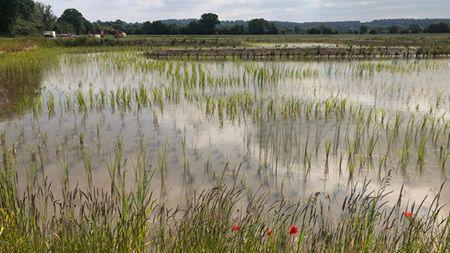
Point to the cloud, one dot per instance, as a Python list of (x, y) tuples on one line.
[(284, 10)]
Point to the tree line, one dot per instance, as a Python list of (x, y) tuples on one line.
[(412, 29), (27, 17)]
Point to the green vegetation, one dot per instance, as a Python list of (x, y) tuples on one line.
[(438, 28), (120, 221), (25, 17), (261, 26), (72, 21)]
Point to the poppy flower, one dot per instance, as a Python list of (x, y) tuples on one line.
[(293, 230), (235, 228), (407, 214), (269, 231)]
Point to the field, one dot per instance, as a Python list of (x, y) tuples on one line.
[(107, 149)]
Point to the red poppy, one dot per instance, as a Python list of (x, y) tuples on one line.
[(293, 230), (407, 214), (269, 231), (235, 228)]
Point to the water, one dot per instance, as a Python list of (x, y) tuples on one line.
[(191, 148)]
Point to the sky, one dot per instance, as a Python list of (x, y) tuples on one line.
[(280, 10)]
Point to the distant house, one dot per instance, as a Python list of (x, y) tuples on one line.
[(49, 34)]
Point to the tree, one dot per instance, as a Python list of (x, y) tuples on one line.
[(208, 23), (363, 29), (48, 18), (298, 30), (393, 29), (133, 28), (404, 31), (26, 9), (193, 27), (9, 10), (147, 27), (271, 28), (24, 27), (74, 18), (261, 26), (326, 30), (238, 29), (156, 27), (25, 22), (119, 25), (314, 30), (438, 28), (31, 18), (257, 26), (415, 29), (64, 27)]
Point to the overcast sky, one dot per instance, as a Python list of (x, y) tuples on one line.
[(282, 10)]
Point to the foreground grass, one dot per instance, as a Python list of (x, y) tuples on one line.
[(222, 219)]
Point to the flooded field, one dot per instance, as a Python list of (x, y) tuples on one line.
[(287, 129), (292, 127)]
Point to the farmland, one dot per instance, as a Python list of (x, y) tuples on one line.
[(106, 146)]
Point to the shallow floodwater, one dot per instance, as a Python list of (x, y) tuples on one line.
[(289, 128)]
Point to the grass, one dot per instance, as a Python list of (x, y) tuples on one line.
[(131, 221), (431, 43), (9, 45)]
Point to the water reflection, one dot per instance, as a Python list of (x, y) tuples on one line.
[(287, 157), (18, 92)]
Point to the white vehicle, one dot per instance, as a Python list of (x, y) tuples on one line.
[(49, 34), (120, 34)]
